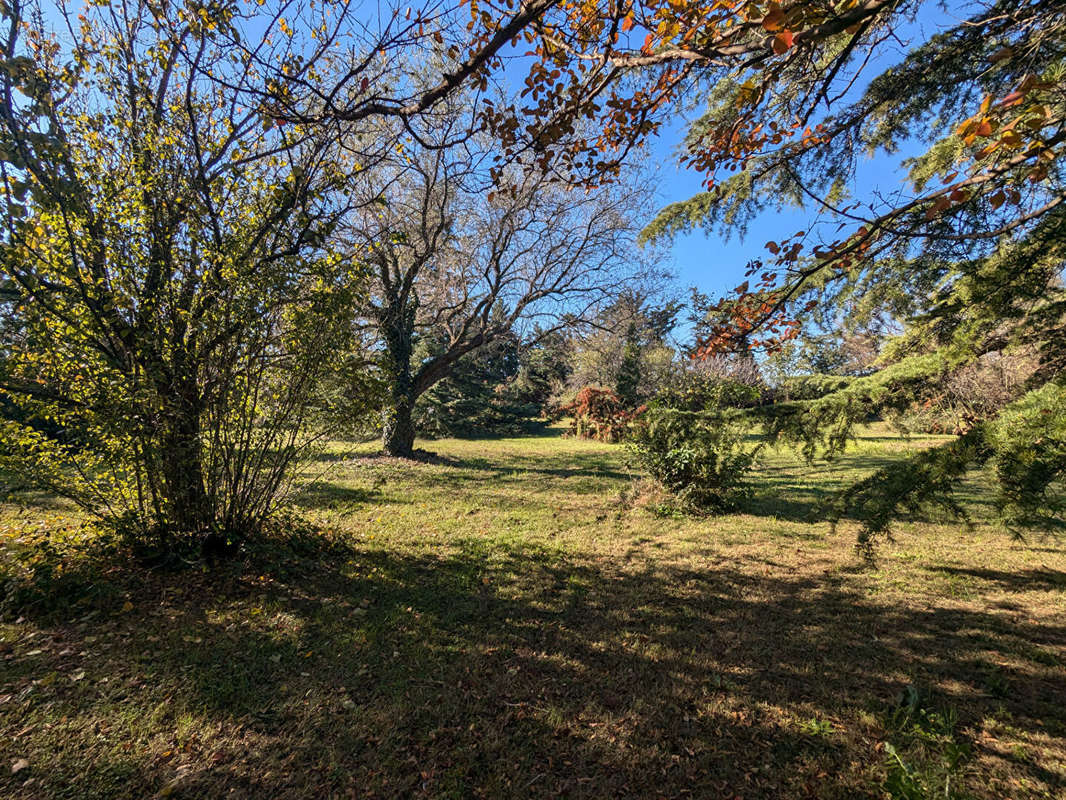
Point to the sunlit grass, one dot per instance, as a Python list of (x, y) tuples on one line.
[(495, 622)]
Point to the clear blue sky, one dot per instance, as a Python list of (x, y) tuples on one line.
[(716, 263)]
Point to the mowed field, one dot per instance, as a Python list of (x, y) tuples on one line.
[(502, 621)]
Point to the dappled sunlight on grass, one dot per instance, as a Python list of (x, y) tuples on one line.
[(495, 623)]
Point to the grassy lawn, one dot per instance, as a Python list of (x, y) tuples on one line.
[(497, 623)]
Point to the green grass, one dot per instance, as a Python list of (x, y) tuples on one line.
[(495, 623)]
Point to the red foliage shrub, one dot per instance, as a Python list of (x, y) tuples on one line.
[(599, 414)]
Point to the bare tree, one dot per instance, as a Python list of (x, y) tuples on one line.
[(737, 367), (640, 322), (467, 251)]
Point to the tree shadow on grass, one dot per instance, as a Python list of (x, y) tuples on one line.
[(794, 504), (573, 466), (322, 494), (1019, 581), (528, 429), (510, 672), (800, 492), (600, 470)]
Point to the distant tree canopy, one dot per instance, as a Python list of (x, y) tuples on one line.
[(626, 349), (545, 365), (461, 253)]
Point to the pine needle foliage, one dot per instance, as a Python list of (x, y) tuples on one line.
[(965, 256)]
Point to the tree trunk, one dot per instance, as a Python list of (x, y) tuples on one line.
[(398, 430), (188, 507)]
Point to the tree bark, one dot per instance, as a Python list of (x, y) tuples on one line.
[(187, 505), (398, 431)]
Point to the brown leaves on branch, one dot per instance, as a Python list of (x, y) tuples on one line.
[(579, 61), (603, 75), (599, 414)]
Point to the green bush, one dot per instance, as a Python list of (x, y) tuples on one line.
[(695, 392), (700, 457), (1028, 441)]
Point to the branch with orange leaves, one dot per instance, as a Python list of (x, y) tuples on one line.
[(767, 308), (722, 33)]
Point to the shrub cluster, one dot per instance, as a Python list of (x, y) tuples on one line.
[(694, 442), (699, 457), (599, 414)]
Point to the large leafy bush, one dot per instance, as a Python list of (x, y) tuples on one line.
[(701, 457), (170, 307)]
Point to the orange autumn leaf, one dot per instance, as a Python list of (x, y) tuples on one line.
[(782, 42)]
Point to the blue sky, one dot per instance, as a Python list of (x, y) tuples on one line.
[(711, 262), (715, 264)]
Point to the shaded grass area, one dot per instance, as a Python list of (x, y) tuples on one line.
[(495, 624)]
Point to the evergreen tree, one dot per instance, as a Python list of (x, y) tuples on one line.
[(545, 366), (627, 384), (968, 253), (477, 398)]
